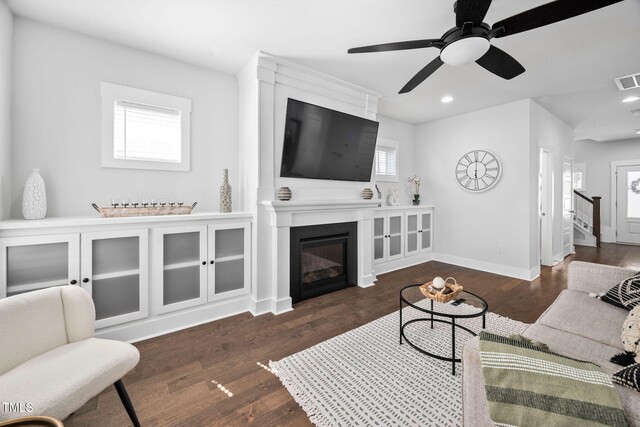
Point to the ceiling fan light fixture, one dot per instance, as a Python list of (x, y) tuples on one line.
[(464, 51)]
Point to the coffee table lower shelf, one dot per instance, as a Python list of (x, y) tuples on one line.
[(446, 318)]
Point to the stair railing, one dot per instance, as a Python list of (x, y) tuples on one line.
[(587, 213)]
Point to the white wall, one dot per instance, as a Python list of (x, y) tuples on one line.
[(469, 227), (598, 157), (56, 122), (6, 32), (404, 133), (549, 132)]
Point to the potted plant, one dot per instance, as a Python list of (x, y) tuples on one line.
[(416, 181)]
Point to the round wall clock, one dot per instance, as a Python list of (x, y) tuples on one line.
[(478, 170)]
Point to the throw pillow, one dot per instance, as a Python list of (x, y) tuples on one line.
[(630, 339), (628, 377), (530, 386), (625, 294)]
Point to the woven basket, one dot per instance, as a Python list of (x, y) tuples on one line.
[(438, 295)]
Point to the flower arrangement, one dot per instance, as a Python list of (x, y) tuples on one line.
[(416, 181)]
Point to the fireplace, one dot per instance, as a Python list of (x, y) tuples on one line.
[(323, 259)]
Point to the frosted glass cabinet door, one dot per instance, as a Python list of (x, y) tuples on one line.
[(395, 236), (114, 270), (378, 239), (412, 233), (229, 260), (181, 263), (38, 262), (425, 231)]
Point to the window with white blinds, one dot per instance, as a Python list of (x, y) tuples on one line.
[(146, 133), (386, 160), (144, 130)]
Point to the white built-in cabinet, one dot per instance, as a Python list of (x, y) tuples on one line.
[(111, 265), (402, 236), (137, 270), (418, 234), (388, 236), (200, 264)]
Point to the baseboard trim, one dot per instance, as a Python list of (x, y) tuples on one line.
[(281, 306), (258, 308), (503, 270), (399, 264), (162, 324)]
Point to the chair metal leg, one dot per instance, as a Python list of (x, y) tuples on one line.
[(126, 402)]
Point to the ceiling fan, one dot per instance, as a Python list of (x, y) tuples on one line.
[(470, 39)]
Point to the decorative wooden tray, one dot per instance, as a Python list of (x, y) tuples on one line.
[(439, 295), (143, 210)]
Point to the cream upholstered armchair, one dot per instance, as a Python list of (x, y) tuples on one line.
[(50, 362)]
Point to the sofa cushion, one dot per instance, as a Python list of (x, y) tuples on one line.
[(583, 348), (625, 294), (30, 324), (579, 314), (60, 381)]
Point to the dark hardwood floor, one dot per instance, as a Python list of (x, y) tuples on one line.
[(176, 381)]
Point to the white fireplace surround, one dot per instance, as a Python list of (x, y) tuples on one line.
[(285, 215), (265, 85)]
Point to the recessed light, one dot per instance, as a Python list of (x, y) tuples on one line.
[(631, 99), (638, 131), (446, 99)]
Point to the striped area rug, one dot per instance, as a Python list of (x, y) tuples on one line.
[(364, 377)]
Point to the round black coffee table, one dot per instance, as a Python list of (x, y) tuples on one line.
[(474, 306)]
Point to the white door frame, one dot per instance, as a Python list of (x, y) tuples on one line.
[(546, 192), (572, 248), (614, 192)]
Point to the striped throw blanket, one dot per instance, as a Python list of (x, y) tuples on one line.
[(531, 386)]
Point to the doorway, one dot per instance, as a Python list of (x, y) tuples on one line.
[(628, 204), (546, 207), (567, 206)]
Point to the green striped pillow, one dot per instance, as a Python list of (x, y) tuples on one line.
[(530, 386)]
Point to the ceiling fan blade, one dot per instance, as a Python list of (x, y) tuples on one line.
[(422, 75), (411, 44), (471, 11), (549, 13), (500, 63)]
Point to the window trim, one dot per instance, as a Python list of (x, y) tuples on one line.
[(110, 93), (388, 143)]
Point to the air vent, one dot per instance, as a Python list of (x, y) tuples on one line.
[(628, 82), (636, 112)]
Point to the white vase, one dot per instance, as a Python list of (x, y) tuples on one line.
[(34, 198), (225, 193)]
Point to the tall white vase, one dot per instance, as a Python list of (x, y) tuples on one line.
[(34, 198), (225, 193)]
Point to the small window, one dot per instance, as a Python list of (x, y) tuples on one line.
[(144, 130), (386, 160), (580, 176)]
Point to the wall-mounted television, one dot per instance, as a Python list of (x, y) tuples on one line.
[(320, 143)]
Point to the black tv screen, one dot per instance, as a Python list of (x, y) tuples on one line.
[(320, 143)]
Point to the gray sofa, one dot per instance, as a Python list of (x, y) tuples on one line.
[(575, 325)]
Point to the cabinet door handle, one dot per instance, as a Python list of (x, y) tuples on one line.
[(85, 280), (204, 262), (74, 281), (212, 261)]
